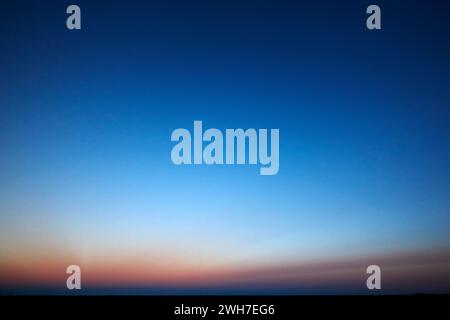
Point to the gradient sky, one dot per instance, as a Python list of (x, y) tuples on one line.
[(86, 117)]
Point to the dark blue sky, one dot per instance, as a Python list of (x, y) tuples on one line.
[(86, 118)]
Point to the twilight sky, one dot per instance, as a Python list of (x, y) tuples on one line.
[(85, 170)]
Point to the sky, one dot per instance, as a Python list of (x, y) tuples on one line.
[(86, 176)]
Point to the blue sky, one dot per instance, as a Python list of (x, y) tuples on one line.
[(86, 118)]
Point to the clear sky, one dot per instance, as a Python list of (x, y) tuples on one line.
[(85, 122)]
